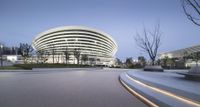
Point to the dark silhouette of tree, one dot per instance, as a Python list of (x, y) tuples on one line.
[(1, 53), (84, 58), (142, 61), (195, 57), (53, 51), (25, 51), (98, 61), (158, 62), (149, 42), (192, 10), (42, 56), (77, 54), (185, 57), (173, 62), (118, 61), (165, 61), (129, 62), (92, 61), (39, 53), (58, 58), (67, 55)]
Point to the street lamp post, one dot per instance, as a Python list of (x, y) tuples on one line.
[(1, 49)]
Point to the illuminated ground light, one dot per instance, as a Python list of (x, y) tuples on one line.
[(145, 100), (185, 100)]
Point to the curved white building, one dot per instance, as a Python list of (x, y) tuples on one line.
[(97, 45)]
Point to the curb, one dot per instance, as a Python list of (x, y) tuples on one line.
[(137, 95), (155, 95)]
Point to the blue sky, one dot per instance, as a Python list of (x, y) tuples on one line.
[(22, 20)]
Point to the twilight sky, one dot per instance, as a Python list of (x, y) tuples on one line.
[(22, 20)]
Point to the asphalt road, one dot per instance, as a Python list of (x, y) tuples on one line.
[(65, 88)]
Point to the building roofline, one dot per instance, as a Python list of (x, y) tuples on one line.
[(75, 27)]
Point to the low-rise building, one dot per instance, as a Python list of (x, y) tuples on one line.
[(181, 53)]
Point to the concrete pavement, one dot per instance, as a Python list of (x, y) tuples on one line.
[(65, 88), (163, 88)]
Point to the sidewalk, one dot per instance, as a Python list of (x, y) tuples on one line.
[(165, 81)]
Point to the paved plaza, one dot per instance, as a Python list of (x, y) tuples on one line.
[(65, 88)]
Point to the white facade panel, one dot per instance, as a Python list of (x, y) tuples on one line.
[(96, 44)]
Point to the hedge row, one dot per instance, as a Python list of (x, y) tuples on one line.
[(30, 66)]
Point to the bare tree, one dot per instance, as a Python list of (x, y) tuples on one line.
[(77, 54), (25, 51), (192, 10), (67, 55), (42, 56), (149, 42), (84, 58)]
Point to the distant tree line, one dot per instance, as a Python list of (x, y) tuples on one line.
[(165, 62), (41, 56), (172, 63), (130, 63)]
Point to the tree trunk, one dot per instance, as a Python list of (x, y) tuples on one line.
[(77, 61), (66, 59), (153, 62), (196, 62)]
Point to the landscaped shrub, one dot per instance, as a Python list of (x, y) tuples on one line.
[(30, 66)]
